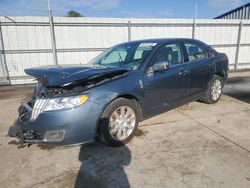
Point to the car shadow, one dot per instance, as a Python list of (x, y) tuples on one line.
[(238, 88), (103, 166)]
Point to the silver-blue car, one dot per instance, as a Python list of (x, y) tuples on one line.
[(109, 96)]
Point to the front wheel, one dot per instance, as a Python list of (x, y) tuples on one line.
[(119, 122), (214, 90)]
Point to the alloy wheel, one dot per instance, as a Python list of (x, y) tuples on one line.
[(122, 123), (216, 90)]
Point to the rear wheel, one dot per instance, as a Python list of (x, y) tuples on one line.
[(119, 122), (214, 90)]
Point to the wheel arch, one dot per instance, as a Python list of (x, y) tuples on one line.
[(126, 96), (136, 100), (222, 75)]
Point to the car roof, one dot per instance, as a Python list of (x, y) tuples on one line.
[(163, 40)]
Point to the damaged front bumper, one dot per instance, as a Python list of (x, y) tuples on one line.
[(25, 136), (60, 127)]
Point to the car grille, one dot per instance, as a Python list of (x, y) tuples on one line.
[(38, 107)]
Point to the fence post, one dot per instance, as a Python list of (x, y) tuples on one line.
[(52, 34), (3, 58), (129, 30), (238, 46), (194, 28)]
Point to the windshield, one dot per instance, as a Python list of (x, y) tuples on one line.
[(129, 55)]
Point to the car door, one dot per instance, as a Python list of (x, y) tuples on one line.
[(163, 88), (201, 67)]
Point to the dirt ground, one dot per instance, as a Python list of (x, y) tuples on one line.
[(196, 145)]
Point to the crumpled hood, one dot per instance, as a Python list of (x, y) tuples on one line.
[(65, 75)]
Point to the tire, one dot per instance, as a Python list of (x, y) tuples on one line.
[(214, 90), (118, 122)]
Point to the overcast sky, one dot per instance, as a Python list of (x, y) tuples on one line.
[(122, 8)]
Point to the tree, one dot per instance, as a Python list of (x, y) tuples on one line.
[(73, 13)]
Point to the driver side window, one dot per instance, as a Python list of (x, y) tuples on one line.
[(171, 53)]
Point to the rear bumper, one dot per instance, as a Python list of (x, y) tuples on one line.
[(78, 125)]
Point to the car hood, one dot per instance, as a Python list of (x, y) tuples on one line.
[(69, 76)]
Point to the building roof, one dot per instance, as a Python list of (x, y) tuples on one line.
[(231, 11)]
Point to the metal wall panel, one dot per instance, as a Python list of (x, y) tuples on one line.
[(89, 36), (16, 63), (160, 32), (244, 54), (245, 37), (78, 40), (26, 37), (217, 34), (76, 57)]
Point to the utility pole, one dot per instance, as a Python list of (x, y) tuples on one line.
[(194, 20), (196, 11), (3, 62), (52, 34)]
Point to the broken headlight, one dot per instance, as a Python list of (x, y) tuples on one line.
[(65, 102)]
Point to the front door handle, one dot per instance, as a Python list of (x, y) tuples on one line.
[(183, 72)]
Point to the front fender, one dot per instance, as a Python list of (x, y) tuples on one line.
[(110, 97)]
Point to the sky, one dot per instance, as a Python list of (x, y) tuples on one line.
[(121, 8)]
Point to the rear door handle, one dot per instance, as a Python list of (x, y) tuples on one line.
[(211, 65)]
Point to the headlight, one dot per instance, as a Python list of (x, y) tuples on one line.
[(65, 102)]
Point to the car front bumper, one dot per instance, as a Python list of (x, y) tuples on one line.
[(74, 126)]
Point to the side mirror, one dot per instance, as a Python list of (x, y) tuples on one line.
[(159, 66)]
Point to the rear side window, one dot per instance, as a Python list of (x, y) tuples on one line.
[(195, 51)]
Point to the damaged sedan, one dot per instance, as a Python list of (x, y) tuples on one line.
[(107, 98)]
